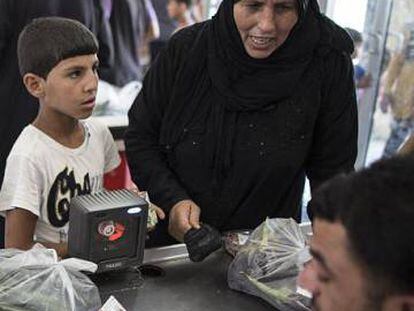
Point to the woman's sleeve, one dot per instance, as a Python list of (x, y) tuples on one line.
[(334, 146), (146, 159)]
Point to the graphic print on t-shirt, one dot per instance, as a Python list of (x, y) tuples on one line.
[(63, 189)]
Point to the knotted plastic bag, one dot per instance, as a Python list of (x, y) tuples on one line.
[(268, 264), (36, 280)]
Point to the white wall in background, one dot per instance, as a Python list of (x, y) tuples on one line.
[(347, 13)]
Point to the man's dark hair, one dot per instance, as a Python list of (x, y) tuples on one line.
[(376, 207), (188, 3), (46, 41), (355, 35)]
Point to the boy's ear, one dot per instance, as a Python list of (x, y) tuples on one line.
[(34, 84)]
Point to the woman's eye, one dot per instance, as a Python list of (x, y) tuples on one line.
[(283, 9), (253, 6)]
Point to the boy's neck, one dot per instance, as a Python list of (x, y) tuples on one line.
[(65, 130)]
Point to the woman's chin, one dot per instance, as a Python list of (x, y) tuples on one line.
[(259, 52)]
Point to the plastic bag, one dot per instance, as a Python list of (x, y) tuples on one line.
[(35, 280), (115, 101), (268, 264)]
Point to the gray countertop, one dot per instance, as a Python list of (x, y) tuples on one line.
[(184, 286)]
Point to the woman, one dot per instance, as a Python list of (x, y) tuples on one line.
[(238, 109)]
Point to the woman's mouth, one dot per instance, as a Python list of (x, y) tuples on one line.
[(261, 42)]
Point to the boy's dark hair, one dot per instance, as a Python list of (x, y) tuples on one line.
[(355, 35), (376, 207), (46, 41)]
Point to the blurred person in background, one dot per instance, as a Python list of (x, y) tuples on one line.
[(398, 93), (179, 11), (133, 24), (362, 78)]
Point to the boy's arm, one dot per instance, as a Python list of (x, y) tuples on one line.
[(20, 227)]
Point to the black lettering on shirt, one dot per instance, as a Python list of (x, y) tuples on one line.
[(63, 189)]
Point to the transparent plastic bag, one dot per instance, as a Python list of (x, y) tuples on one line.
[(35, 280), (268, 264)]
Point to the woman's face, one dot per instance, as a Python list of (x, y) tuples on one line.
[(264, 24)]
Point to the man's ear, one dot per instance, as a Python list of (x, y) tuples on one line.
[(34, 84), (400, 302)]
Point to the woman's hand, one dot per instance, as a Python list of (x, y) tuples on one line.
[(183, 216)]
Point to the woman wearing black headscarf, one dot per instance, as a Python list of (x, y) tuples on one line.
[(236, 110)]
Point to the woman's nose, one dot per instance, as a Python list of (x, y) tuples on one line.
[(267, 22)]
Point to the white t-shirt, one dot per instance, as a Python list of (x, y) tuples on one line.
[(42, 175)]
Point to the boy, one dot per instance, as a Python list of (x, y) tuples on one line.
[(179, 11), (59, 155)]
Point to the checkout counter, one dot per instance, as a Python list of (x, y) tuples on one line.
[(182, 285)]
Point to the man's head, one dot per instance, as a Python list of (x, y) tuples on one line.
[(178, 8), (58, 61), (363, 244)]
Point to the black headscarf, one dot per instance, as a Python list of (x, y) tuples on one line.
[(220, 75)]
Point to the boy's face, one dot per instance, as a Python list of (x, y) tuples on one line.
[(175, 9), (70, 87)]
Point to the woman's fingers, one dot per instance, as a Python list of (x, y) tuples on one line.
[(179, 222), (194, 218)]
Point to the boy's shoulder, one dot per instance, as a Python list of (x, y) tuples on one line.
[(34, 144), (95, 125), (98, 130), (29, 143)]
